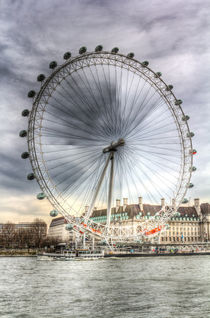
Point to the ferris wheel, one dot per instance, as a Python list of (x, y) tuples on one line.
[(103, 127)]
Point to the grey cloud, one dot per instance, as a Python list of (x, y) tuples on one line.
[(173, 37)]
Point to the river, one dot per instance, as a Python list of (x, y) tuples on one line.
[(159, 287)]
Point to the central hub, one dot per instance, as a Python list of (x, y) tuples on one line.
[(114, 145)]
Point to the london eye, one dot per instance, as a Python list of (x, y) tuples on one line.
[(104, 126)]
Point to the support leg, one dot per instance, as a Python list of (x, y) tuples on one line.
[(90, 209), (111, 179)]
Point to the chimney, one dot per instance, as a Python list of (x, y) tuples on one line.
[(125, 203), (197, 206), (163, 204), (140, 204), (117, 204), (174, 204)]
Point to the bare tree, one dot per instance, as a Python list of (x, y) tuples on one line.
[(39, 229), (8, 234), (24, 238)]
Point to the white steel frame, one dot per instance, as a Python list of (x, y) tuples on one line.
[(35, 144)]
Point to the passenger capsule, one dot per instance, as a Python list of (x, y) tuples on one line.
[(191, 185), (41, 196), (158, 74), (178, 102), (130, 55), (193, 169), (31, 176), (25, 113), (191, 134), (69, 227), (25, 155), (145, 63), (185, 200), (98, 48), (185, 118), (31, 94), (23, 133), (67, 55), (82, 50), (115, 50), (169, 87), (53, 213), (53, 65), (40, 77), (193, 152)]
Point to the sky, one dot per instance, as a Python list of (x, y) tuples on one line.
[(173, 36)]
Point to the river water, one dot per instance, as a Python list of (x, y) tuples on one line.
[(160, 287)]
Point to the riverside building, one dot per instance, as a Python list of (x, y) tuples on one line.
[(191, 224), (57, 230)]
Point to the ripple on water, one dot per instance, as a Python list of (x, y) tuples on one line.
[(137, 287)]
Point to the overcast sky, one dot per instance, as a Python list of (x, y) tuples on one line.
[(173, 35)]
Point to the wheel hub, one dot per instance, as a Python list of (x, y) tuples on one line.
[(114, 145)]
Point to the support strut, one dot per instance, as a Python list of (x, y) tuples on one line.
[(111, 149), (111, 180), (90, 209)]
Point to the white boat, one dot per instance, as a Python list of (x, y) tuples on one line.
[(77, 255)]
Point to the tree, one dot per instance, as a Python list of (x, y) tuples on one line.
[(39, 230), (24, 238), (8, 234)]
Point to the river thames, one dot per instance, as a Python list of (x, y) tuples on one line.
[(160, 287)]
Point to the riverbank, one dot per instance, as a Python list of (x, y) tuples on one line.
[(18, 253), (107, 254), (155, 254), (35, 252)]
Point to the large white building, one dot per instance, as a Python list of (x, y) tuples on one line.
[(191, 224), (57, 229)]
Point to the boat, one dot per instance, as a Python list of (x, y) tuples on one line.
[(78, 254)]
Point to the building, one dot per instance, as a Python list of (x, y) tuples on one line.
[(57, 230), (191, 224)]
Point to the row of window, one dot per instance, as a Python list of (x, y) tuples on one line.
[(185, 232), (188, 223), (179, 239)]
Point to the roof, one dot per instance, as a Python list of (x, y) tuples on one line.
[(133, 209), (58, 221), (189, 210)]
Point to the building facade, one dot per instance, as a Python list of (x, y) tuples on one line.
[(191, 224), (57, 230)]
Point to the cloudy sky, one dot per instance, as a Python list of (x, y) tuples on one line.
[(173, 35)]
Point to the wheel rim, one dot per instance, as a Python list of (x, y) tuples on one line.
[(124, 81)]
